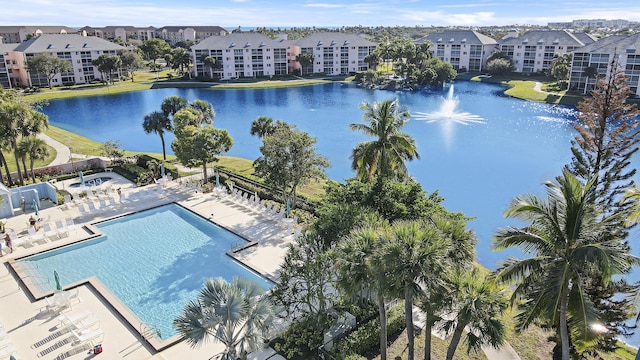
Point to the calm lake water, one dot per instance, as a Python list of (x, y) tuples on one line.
[(477, 166)]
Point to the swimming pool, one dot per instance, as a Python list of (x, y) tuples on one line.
[(155, 261), (92, 182)]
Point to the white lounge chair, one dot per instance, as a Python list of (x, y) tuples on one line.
[(83, 211), (7, 352), (85, 337), (67, 201), (70, 224), (17, 240), (49, 232), (105, 206), (35, 236), (61, 229), (76, 317), (92, 207)]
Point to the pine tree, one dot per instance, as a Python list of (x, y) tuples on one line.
[(608, 129)]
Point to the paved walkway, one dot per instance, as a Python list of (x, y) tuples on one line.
[(63, 153)]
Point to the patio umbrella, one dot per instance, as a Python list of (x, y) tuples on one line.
[(162, 169), (288, 210), (56, 277), (217, 179), (35, 206), (81, 178)]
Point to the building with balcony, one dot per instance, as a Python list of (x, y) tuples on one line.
[(595, 60), (239, 55), (334, 53), (80, 51), (18, 34), (120, 32), (176, 34), (6, 65), (463, 49), (533, 51)]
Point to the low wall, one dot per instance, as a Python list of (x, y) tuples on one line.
[(71, 167)]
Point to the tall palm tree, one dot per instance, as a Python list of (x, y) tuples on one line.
[(37, 150), (235, 314), (414, 256), (386, 155), (567, 233), (360, 268), (205, 112), (172, 104), (476, 301), (157, 122), (262, 126)]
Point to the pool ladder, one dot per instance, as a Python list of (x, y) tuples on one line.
[(149, 331)]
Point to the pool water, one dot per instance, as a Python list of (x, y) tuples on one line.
[(93, 182), (155, 261)]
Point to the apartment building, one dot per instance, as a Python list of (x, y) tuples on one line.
[(464, 49), (334, 53), (18, 34), (594, 61), (5, 65), (120, 32), (533, 51), (80, 51), (175, 34), (240, 55)]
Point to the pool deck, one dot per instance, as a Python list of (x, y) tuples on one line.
[(35, 332)]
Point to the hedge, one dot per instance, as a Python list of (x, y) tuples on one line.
[(366, 337)]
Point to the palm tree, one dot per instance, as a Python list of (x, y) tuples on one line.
[(360, 267), (567, 233), (210, 62), (459, 254), (305, 59), (37, 150), (204, 111), (476, 302), (589, 72), (157, 122), (414, 257), (171, 105), (235, 314), (18, 120), (262, 126), (385, 156)]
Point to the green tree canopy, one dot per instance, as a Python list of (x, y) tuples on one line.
[(289, 160), (386, 155), (154, 48), (131, 61), (107, 64), (48, 65), (196, 145)]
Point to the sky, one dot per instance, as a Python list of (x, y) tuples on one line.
[(320, 13)]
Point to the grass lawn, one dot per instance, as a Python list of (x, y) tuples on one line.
[(12, 162), (522, 87), (398, 349)]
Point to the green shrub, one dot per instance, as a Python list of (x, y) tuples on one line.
[(366, 337), (130, 171), (302, 339)]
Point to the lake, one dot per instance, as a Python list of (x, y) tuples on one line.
[(477, 166)]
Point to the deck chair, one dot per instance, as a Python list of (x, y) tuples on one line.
[(49, 232), (35, 236), (61, 228), (86, 337), (70, 224)]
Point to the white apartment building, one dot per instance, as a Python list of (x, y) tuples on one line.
[(533, 51), (240, 55), (80, 51), (599, 56), (18, 34), (120, 32), (334, 53), (463, 49), (175, 34), (5, 65)]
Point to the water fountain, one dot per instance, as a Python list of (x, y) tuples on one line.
[(447, 116), (447, 112)]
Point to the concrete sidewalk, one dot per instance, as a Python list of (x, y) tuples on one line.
[(63, 153)]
